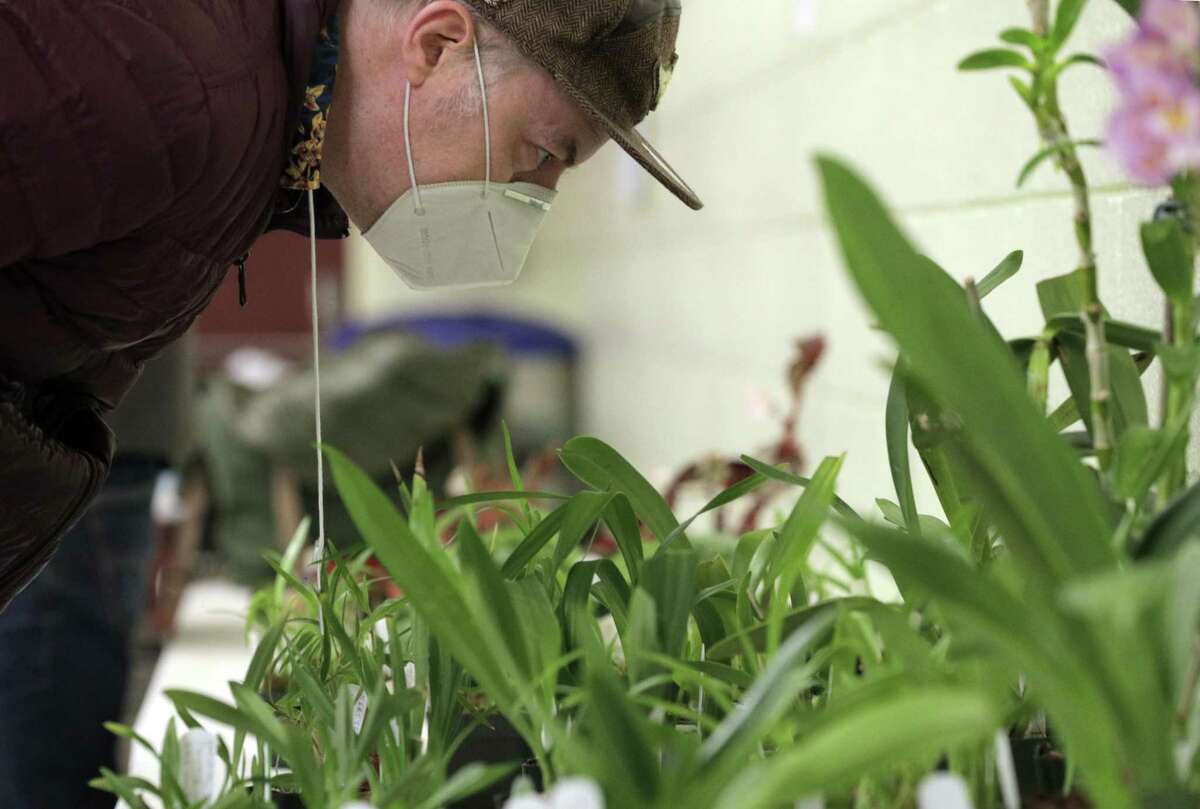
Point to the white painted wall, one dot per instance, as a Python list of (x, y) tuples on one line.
[(684, 314)]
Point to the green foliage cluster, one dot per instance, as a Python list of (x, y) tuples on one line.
[(1057, 595)]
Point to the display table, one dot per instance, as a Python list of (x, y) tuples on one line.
[(208, 651)]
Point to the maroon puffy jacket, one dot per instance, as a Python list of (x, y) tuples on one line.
[(142, 144)]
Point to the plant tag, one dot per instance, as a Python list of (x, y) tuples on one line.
[(360, 711), (1006, 770), (198, 766), (357, 805), (817, 802), (357, 697)]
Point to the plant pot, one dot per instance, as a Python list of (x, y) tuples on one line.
[(494, 744), (286, 800), (1042, 775)]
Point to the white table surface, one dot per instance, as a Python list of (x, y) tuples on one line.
[(208, 651)]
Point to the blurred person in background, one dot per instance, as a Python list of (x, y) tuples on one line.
[(66, 641), (145, 146)]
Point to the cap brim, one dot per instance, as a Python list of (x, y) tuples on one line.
[(639, 149)]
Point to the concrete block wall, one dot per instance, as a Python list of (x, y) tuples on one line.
[(686, 317)]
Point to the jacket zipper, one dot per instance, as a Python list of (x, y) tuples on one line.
[(241, 267)]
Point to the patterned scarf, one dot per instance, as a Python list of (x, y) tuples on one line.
[(304, 160)]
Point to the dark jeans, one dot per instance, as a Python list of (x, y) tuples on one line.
[(65, 650)]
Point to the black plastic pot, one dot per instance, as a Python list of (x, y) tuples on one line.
[(1041, 769), (287, 800), (495, 744)]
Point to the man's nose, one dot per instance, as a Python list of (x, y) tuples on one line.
[(546, 176)]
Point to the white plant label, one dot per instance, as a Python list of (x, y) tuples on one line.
[(360, 712), (357, 698), (1006, 769), (198, 766)]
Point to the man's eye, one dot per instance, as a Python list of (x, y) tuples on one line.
[(544, 157)]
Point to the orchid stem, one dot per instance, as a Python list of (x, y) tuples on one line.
[(1052, 126)]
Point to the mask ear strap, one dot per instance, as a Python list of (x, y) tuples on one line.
[(412, 170), (487, 124)]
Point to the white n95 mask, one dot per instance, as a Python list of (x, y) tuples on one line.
[(459, 235)]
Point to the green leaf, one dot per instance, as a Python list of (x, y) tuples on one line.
[(534, 541), (1047, 506), (470, 780), (123, 788), (203, 705), (263, 656), (487, 498), (1173, 528), (1050, 151), (1134, 473), (730, 495), (623, 523), (1116, 332), (1180, 363), (1170, 256), (896, 422), (1065, 21), (1132, 7), (799, 532), (765, 703), (993, 58), (669, 577), (1062, 295), (1128, 397), (260, 715), (431, 588), (765, 469), (1005, 270), (1078, 59), (318, 702), (880, 730), (492, 603), (754, 637), (615, 745), (583, 512), (1023, 36), (1024, 90), (1060, 661), (601, 467)]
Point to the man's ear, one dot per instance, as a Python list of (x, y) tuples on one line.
[(434, 35)]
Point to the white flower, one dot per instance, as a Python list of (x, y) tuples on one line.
[(569, 793), (576, 793), (943, 791)]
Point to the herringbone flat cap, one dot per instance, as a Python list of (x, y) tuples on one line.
[(614, 57)]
